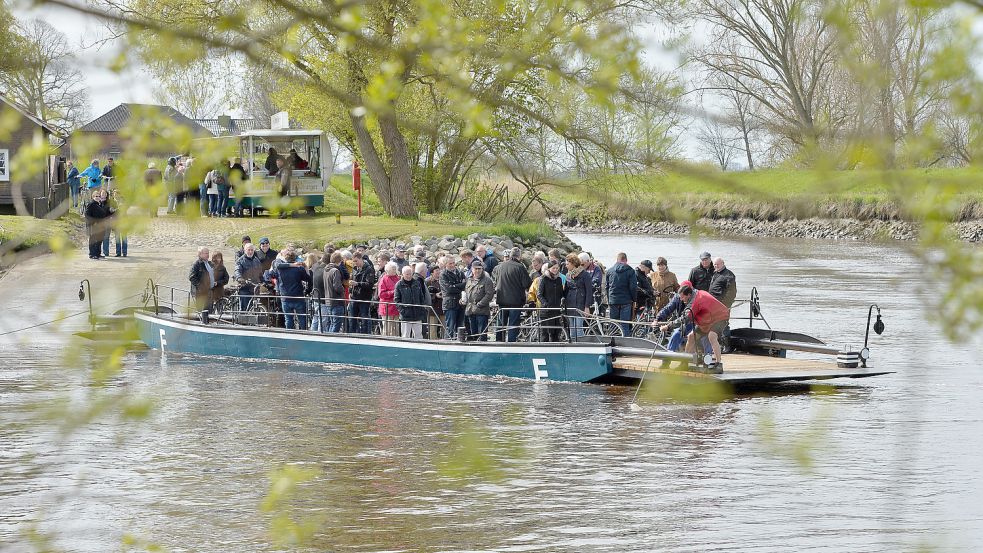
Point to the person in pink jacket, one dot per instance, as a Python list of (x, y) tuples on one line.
[(387, 292)]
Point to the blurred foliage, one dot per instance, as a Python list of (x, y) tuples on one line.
[(800, 448), (473, 451), (285, 530), (665, 386), (422, 90)]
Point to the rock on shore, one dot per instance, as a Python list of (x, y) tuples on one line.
[(436, 247), (829, 229)]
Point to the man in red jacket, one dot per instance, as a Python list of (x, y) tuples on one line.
[(710, 317)]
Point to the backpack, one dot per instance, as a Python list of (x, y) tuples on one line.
[(218, 178)]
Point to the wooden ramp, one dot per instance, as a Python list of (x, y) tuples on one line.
[(743, 368)]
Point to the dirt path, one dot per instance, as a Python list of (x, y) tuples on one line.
[(46, 287)]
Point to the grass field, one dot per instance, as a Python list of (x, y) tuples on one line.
[(774, 194), (340, 198)]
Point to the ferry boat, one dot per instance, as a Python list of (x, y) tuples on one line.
[(757, 355)]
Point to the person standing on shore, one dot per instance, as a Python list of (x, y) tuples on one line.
[(108, 173), (621, 289), (97, 215), (116, 209), (282, 182), (152, 179), (181, 192), (664, 283), (214, 181), (702, 274), (478, 294), (237, 184), (74, 182), (202, 279), (94, 174), (170, 178)]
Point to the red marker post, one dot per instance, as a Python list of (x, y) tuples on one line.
[(357, 184)]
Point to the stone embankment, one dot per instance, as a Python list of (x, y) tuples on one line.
[(436, 247), (828, 229)]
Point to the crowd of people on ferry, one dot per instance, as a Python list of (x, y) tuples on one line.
[(404, 294)]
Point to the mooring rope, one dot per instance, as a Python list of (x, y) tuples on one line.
[(67, 316)]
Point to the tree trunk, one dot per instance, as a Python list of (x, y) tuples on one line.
[(373, 164), (402, 201)]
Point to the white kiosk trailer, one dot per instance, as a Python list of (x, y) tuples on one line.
[(310, 177)]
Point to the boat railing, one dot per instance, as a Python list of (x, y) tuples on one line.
[(362, 316), (167, 300), (754, 310)]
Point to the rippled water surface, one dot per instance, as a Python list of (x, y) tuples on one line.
[(885, 464)]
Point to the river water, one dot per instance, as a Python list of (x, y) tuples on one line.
[(885, 464)]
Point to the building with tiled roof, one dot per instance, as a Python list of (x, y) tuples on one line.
[(227, 126), (106, 127)]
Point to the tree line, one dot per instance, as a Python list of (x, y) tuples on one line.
[(480, 104), (874, 83)]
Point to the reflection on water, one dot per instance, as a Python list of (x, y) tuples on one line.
[(896, 466)]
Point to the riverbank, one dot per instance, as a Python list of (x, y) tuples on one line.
[(852, 205), (814, 228)]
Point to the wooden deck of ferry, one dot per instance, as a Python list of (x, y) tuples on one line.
[(741, 368)]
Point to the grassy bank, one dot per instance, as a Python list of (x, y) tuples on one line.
[(340, 198), (22, 233), (773, 195), (316, 231)]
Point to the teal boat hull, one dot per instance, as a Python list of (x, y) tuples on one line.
[(577, 362)]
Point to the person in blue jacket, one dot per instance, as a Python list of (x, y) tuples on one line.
[(74, 182), (94, 174), (622, 285), (487, 258)]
